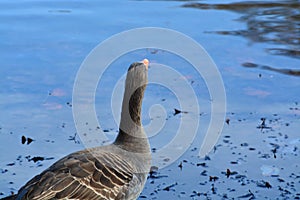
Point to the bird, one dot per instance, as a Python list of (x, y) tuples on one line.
[(115, 171)]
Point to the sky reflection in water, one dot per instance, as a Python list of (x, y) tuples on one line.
[(43, 45)]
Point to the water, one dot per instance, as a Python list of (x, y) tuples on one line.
[(256, 49)]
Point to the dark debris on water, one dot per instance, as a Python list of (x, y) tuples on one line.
[(74, 138), (37, 158), (176, 112), (168, 188), (263, 125), (264, 184), (25, 139)]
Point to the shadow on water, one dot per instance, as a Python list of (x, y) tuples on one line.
[(276, 23), (265, 67)]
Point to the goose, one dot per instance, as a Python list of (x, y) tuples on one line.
[(115, 171)]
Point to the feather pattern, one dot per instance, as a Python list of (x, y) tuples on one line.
[(80, 176)]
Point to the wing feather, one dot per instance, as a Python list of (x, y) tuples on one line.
[(81, 176)]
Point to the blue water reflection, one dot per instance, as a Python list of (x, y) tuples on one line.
[(44, 42)]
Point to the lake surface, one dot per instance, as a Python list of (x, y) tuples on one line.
[(255, 45)]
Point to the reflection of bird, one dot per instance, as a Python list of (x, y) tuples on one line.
[(116, 171)]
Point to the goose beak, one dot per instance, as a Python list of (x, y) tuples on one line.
[(146, 63)]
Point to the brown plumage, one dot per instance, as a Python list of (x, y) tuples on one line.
[(116, 171)]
